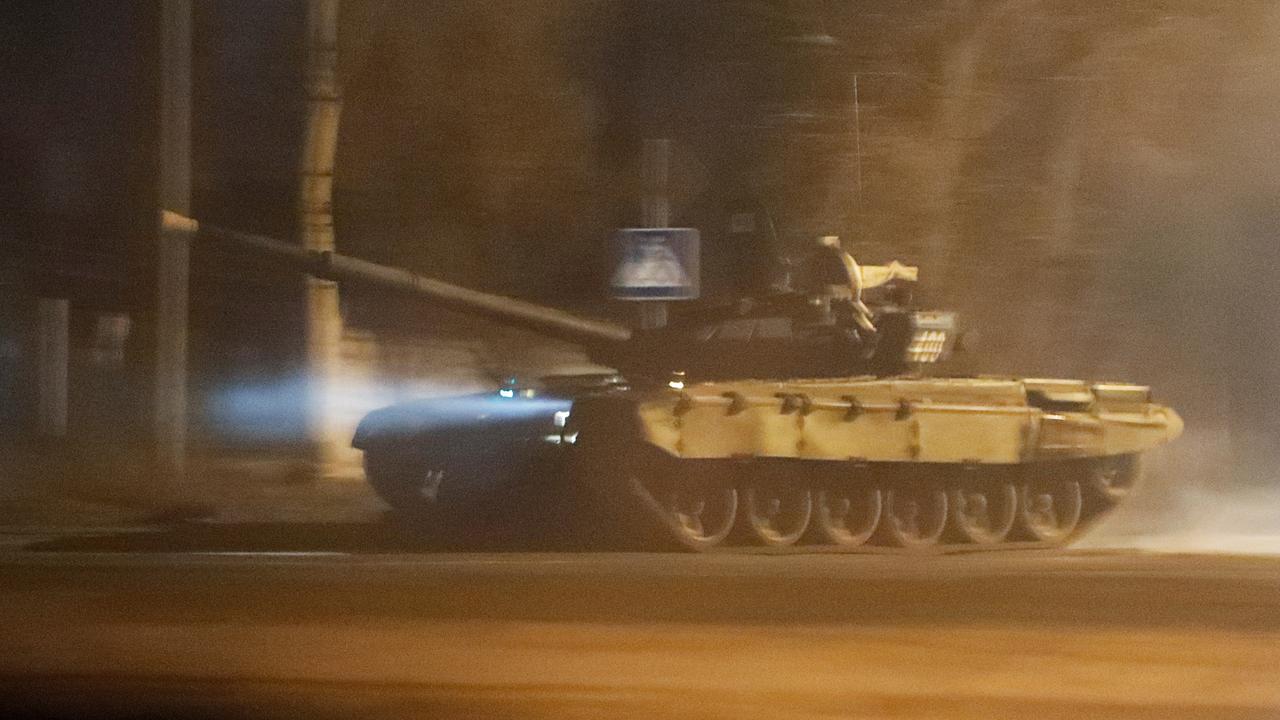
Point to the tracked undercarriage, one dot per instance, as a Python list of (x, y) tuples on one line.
[(862, 465), (745, 506)]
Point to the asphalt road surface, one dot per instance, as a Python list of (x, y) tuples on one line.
[(376, 634)]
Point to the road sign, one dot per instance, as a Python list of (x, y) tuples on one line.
[(655, 264)]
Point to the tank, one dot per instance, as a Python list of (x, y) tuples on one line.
[(769, 424)]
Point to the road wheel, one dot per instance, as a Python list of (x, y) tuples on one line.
[(914, 515), (701, 515), (847, 515), (1112, 479), (410, 486), (982, 511), (1048, 510), (778, 513)]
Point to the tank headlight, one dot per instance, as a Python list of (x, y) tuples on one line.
[(511, 387), (677, 381)]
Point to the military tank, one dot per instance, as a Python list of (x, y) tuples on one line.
[(692, 443)]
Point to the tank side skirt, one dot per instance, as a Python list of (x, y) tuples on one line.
[(905, 430), (733, 424)]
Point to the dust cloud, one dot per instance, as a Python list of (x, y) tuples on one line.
[(1196, 498)]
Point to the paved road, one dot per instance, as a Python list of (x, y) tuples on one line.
[(1018, 634)]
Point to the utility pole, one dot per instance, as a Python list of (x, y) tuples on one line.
[(174, 248), (655, 209), (315, 225)]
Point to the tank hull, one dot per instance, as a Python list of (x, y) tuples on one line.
[(868, 464), (845, 465)]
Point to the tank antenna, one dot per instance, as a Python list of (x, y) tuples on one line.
[(857, 143)]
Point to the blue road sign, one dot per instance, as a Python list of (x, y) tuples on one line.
[(655, 264)]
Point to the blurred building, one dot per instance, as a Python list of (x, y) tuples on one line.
[(76, 132)]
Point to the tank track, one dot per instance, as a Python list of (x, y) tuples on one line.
[(619, 500), (1034, 490)]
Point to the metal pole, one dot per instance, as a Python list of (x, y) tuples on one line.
[(173, 251), (655, 169), (315, 219)]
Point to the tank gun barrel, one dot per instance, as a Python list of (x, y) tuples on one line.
[(346, 269)]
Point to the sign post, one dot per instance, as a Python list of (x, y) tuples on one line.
[(655, 210), (655, 265)]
